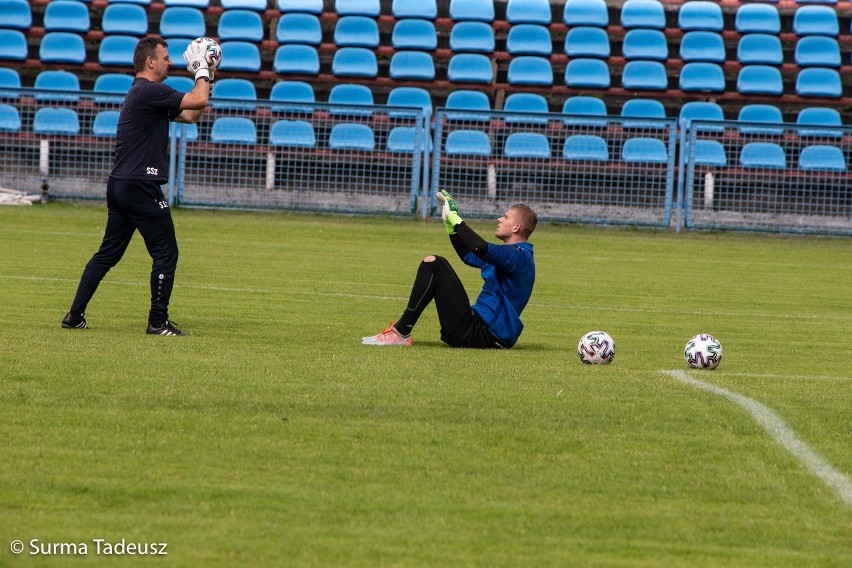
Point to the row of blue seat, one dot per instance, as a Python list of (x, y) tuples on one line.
[(463, 142), (697, 14)]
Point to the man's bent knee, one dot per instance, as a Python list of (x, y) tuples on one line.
[(430, 258)]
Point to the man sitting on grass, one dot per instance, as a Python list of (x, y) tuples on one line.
[(493, 322)]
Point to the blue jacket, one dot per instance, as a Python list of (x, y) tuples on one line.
[(509, 275)]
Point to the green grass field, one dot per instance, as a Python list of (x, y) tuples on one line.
[(271, 437)]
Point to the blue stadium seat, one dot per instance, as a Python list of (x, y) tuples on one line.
[(642, 109), (701, 76), (117, 50), (256, 5), (296, 58), (701, 110), (822, 158), (244, 25), (527, 145), (644, 75), (761, 49), (351, 94), (472, 37), (467, 143), (587, 41), (297, 92), (62, 47), (528, 12), (468, 100), (819, 82), (125, 19), (182, 21), (584, 106), (583, 72), (532, 103), (348, 136), (817, 51), (472, 10), (16, 14), (700, 15), (414, 34), (470, 68), (409, 97), (702, 46), (529, 39), (530, 70), (644, 151), (116, 84), (645, 44), (233, 88), (586, 148), (819, 116), (105, 124), (419, 9), (763, 113), (763, 155), (13, 45), (643, 14), (57, 80), (413, 65), (10, 120), (292, 134), (240, 56), (403, 140), (307, 6), (757, 18), (585, 13), (177, 47), (816, 20), (188, 131), (66, 16), (60, 121), (299, 28), (178, 83), (200, 4), (143, 3), (354, 62), (9, 79), (759, 80), (370, 8), (233, 130), (708, 153), (356, 31)]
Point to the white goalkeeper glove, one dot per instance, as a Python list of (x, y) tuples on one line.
[(196, 60), (449, 211)]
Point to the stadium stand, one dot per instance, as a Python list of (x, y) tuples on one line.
[(819, 82), (57, 121), (62, 47), (587, 41), (414, 34), (763, 113), (648, 44), (115, 84), (817, 51), (105, 124), (415, 65), (527, 145), (66, 16), (763, 155), (467, 143), (200, 4), (585, 13), (233, 88), (584, 72), (477, 37), (9, 79), (182, 21), (530, 70), (643, 14), (57, 80), (10, 119), (296, 59), (528, 12), (700, 45), (350, 94), (369, 8), (298, 92), (757, 18), (526, 103), (701, 76), (470, 68), (472, 10), (580, 107), (642, 109), (299, 28), (822, 158), (240, 56), (643, 75), (256, 5), (529, 39), (464, 99), (240, 24), (816, 20), (354, 62), (644, 150), (307, 6), (356, 31), (13, 45), (700, 15), (760, 79), (350, 136), (409, 97), (585, 147), (819, 116), (760, 49), (117, 50)]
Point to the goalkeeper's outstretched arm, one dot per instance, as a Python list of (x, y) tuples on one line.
[(465, 240)]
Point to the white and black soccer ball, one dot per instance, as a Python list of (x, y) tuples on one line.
[(213, 51), (703, 351), (596, 348)]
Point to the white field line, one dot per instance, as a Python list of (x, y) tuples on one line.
[(781, 433), (782, 377)]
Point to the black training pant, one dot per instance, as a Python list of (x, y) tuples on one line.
[(135, 204), (460, 325)]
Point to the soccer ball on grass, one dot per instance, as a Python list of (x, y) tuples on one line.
[(703, 351), (213, 51), (596, 348)]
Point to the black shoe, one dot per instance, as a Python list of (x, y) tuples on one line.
[(70, 321), (166, 328)]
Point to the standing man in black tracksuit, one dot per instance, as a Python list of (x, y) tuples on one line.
[(134, 197)]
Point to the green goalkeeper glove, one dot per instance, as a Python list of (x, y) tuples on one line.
[(449, 211)]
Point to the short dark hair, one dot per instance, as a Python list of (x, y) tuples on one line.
[(147, 47), (529, 219)]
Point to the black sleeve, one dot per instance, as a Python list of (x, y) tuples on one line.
[(466, 240)]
